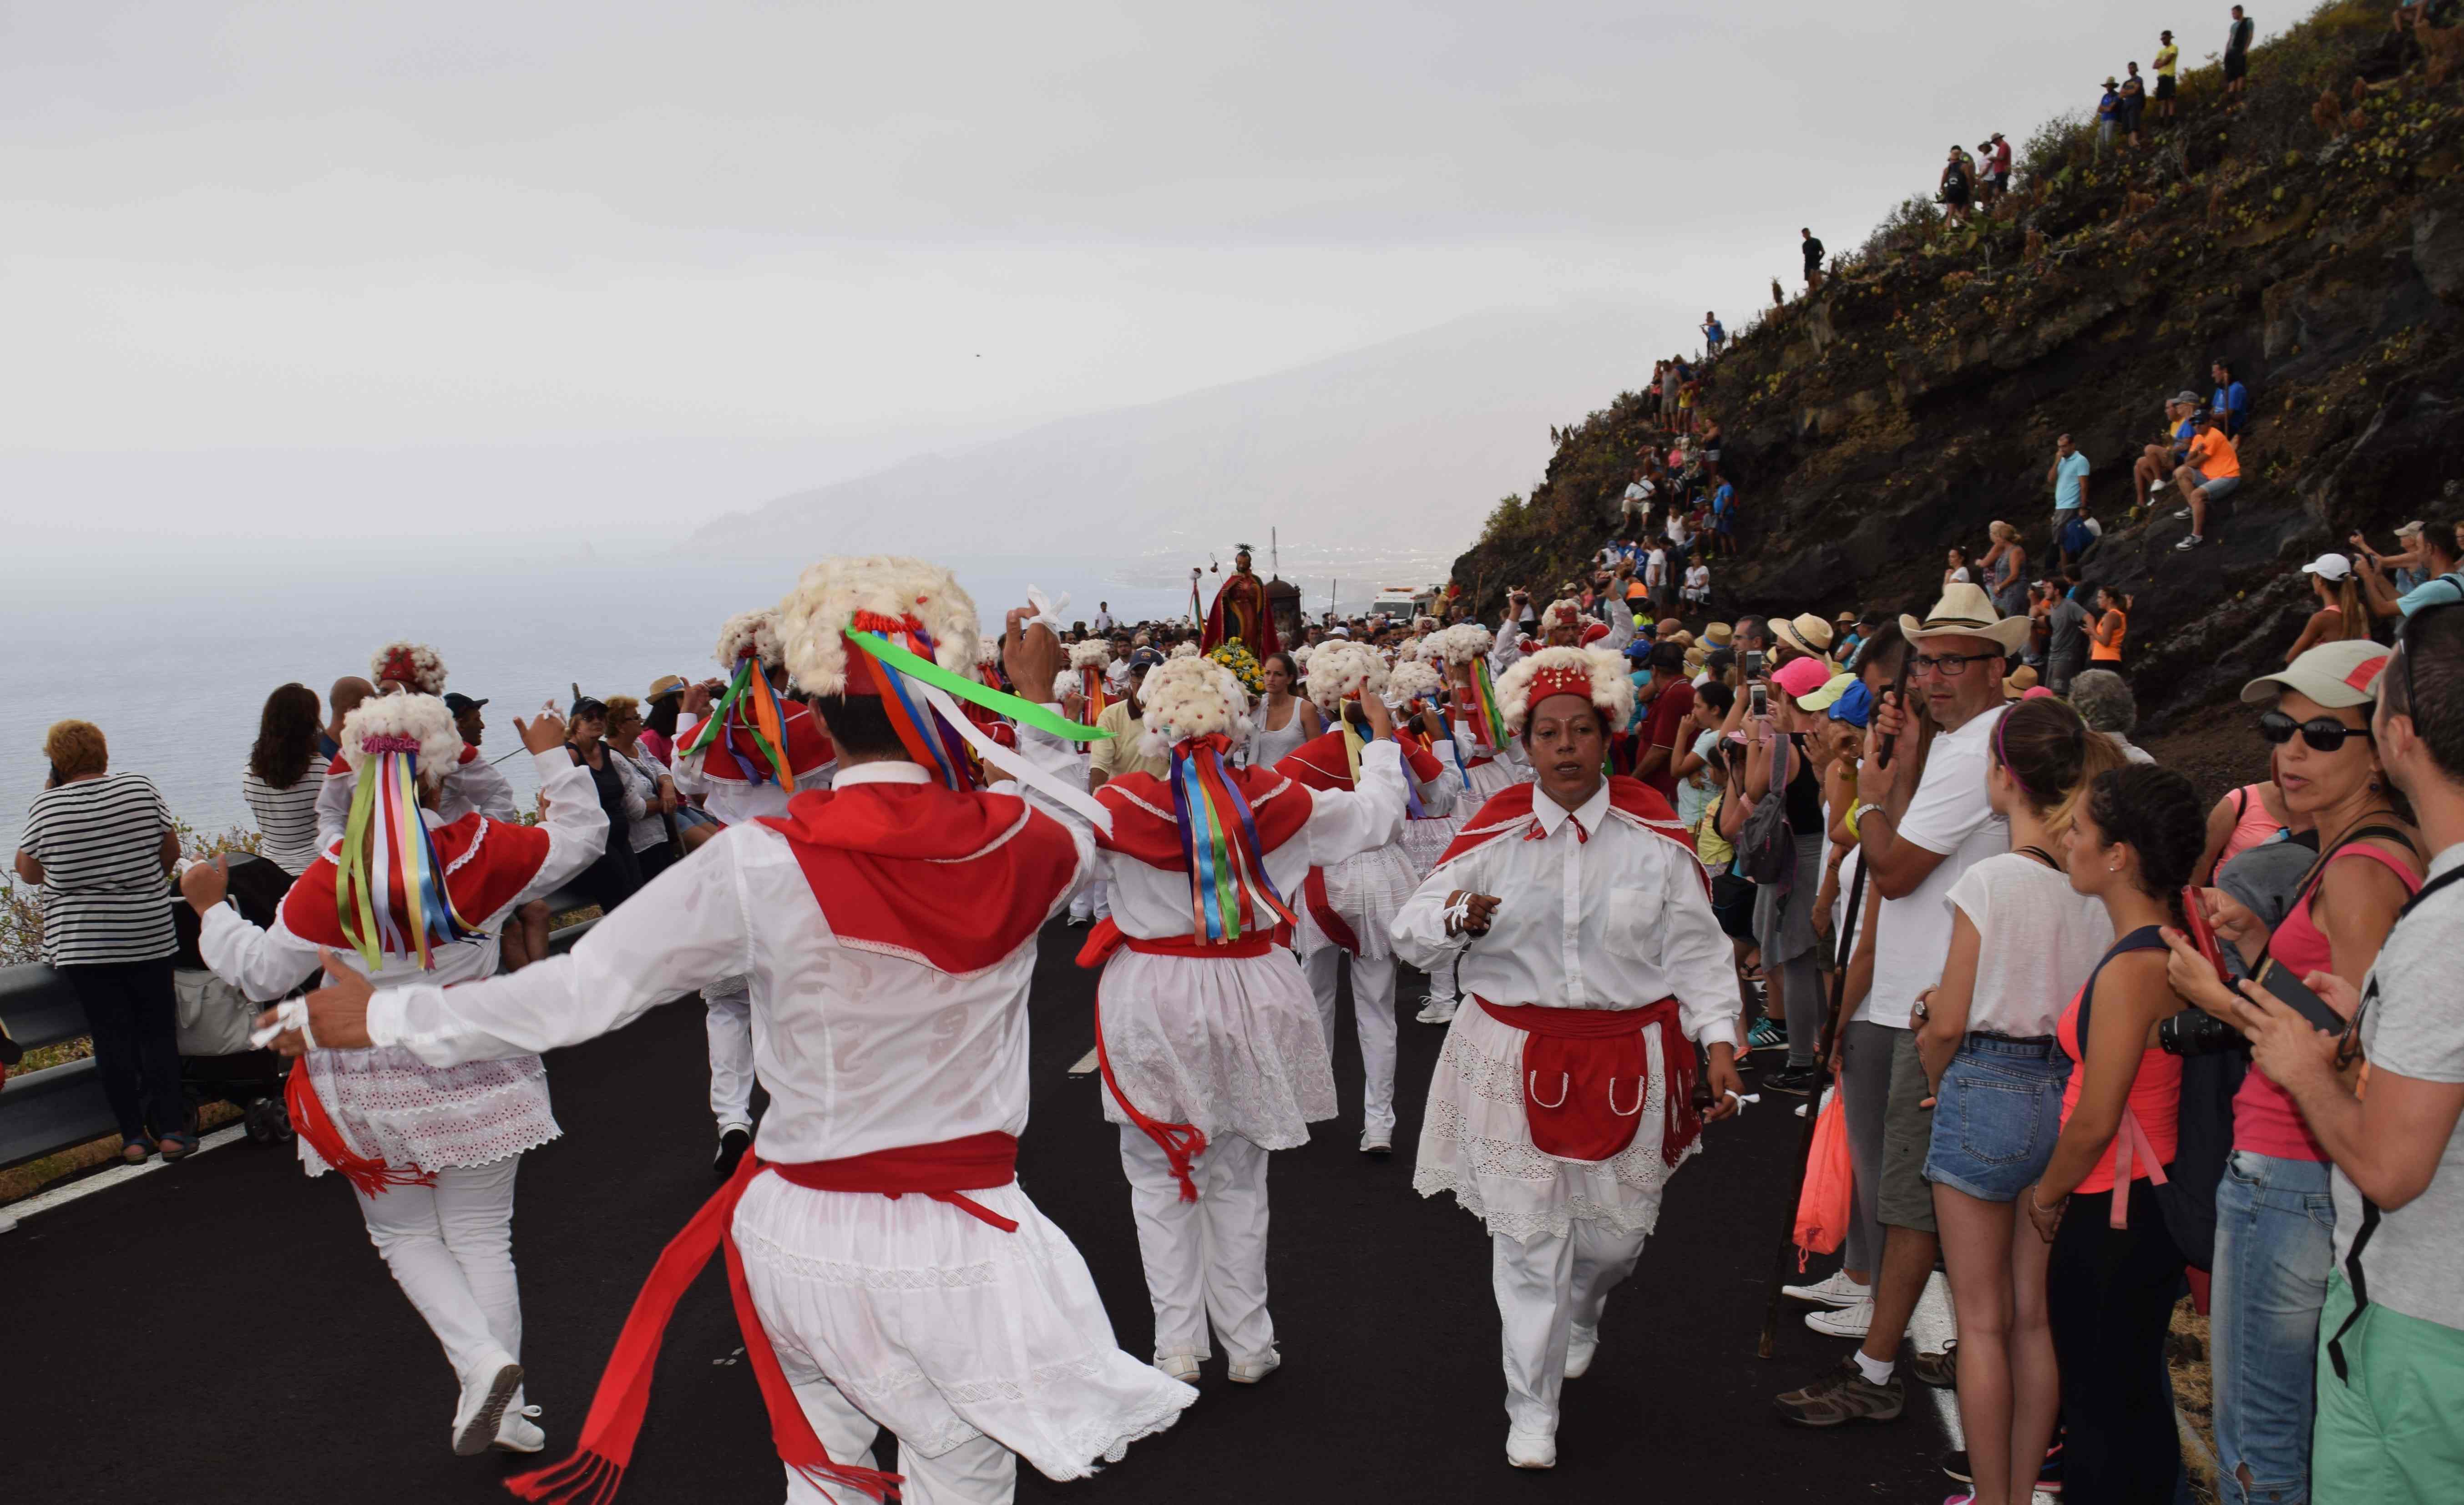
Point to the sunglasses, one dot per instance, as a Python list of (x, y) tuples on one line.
[(2323, 734)]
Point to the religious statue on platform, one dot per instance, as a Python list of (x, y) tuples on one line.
[(1239, 611)]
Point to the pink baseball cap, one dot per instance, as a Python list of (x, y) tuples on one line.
[(1800, 677)]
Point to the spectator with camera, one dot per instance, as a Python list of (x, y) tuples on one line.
[(2392, 1326), (2275, 1219)]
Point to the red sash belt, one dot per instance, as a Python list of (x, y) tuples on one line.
[(941, 1171), (1181, 1144), (1322, 909), (310, 1120), (1586, 1077)]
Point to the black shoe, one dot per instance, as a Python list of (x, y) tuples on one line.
[(732, 1146), (1798, 1082)]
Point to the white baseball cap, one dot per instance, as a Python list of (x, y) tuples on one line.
[(2329, 567)]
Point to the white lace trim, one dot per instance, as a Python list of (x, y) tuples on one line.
[(868, 1278)]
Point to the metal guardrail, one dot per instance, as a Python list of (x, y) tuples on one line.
[(44, 1112)]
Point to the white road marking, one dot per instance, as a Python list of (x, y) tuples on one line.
[(117, 1175)]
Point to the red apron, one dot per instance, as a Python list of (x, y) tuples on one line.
[(1586, 1076)]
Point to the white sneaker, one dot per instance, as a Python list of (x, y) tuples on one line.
[(1835, 1289), (485, 1394), (1439, 1010), (1848, 1321), (1181, 1366), (518, 1432), (1378, 1142), (2180, 515), (1531, 1452), (1581, 1343), (1249, 1371)]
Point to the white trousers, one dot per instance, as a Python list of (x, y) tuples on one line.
[(1546, 1289), (1204, 1259), (729, 1008), (1443, 986), (1092, 901), (977, 1472), (450, 1248), (1372, 1015)]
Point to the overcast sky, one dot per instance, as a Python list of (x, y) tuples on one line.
[(621, 261)]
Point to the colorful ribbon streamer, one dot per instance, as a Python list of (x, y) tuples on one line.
[(749, 688), (1487, 718), (387, 852), (1228, 884)]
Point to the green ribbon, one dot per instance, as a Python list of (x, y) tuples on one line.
[(1026, 712)]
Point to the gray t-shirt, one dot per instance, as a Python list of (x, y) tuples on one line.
[(2416, 1028), (2068, 620)]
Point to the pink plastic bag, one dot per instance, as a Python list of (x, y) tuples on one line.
[(1822, 1208)]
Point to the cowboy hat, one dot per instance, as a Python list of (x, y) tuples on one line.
[(1966, 611), (1807, 633)]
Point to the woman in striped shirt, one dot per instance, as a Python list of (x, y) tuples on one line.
[(283, 777), (101, 845)]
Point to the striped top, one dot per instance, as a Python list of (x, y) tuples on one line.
[(105, 896), (286, 818)]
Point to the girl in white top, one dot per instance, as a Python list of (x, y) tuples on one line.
[(2022, 943), (1283, 720)]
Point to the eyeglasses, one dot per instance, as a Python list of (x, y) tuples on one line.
[(1951, 666), (2323, 734)]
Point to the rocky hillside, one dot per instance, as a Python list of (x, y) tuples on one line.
[(2315, 244)]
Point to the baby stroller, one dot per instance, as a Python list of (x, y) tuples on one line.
[(217, 1062)]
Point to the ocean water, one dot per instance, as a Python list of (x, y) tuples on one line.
[(172, 654)]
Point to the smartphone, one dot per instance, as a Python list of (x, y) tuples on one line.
[(2296, 995), (2203, 936), (1757, 699)]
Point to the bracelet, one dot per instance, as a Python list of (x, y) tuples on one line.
[(2040, 1207)]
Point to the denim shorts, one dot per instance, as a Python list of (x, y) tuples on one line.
[(1997, 1116)]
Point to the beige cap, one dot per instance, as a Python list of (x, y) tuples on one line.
[(2334, 674)]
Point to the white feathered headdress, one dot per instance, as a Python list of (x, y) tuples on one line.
[(900, 598), (1093, 653), (1563, 612), (1191, 697), (1599, 676), (753, 632), (404, 720), (415, 664), (1301, 656), (1412, 679), (1463, 643), (1338, 669), (1184, 649)]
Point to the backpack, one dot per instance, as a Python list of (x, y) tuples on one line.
[(2203, 1128), (1767, 845)]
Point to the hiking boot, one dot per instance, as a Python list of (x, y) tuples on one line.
[(1843, 1394)]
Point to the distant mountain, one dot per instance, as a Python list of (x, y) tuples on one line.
[(1385, 456)]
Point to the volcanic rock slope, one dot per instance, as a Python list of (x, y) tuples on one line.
[(2317, 245)]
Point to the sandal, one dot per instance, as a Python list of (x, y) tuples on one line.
[(178, 1146), (136, 1151)]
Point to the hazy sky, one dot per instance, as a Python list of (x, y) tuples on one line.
[(547, 260)]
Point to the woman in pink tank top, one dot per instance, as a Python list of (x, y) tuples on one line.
[(2114, 1268), (2275, 1213)]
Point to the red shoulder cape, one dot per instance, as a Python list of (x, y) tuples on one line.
[(955, 879), (487, 863), (1146, 826), (1320, 763), (808, 748), (1508, 812)]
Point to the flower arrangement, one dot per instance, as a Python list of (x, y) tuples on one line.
[(1234, 655)]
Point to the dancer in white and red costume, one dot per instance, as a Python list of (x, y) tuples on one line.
[(1415, 688), (763, 748), (1492, 759), (887, 1268), (429, 1150), (1346, 906), (1210, 1046), (1563, 1095)]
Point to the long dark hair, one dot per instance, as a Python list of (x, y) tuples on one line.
[(286, 736), (2157, 812)]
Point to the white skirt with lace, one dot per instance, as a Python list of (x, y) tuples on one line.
[(390, 1108), (943, 1328), (1367, 890), (1426, 840), (1476, 1143), (1491, 778), (1231, 1044)]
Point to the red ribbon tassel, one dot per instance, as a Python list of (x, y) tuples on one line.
[(312, 1124)]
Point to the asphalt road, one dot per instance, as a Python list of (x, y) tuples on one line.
[(222, 1331)]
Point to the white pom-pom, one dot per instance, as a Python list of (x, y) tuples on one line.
[(1091, 654), (1412, 679), (1301, 656), (420, 717), (412, 663), (1612, 687), (753, 632), (1464, 642), (1191, 697), (1338, 669), (827, 600), (1184, 649)]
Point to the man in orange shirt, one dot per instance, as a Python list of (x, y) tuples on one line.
[(2211, 473)]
